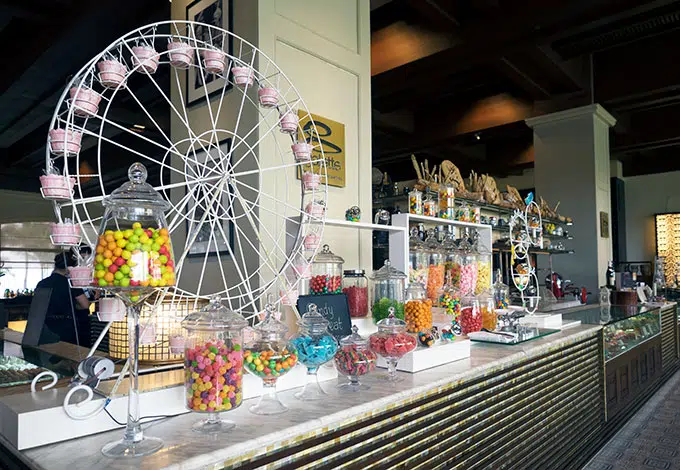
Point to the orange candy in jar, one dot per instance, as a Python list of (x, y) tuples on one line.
[(417, 310), (486, 305), (435, 274)]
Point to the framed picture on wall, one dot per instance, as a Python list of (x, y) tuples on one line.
[(216, 13), (604, 225), (204, 197)]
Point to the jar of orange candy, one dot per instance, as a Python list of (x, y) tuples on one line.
[(418, 309)]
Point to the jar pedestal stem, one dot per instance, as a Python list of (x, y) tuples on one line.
[(392, 370), (213, 424), (134, 443), (312, 390), (269, 403)]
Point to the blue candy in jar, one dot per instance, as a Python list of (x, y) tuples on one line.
[(315, 346)]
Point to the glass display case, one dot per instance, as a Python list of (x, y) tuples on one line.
[(624, 334), (624, 327)]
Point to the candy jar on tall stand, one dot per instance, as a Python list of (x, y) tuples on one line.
[(483, 265), (354, 359), (452, 259), (213, 364), (468, 268), (326, 275), (501, 291), (417, 309), (388, 292), (269, 356), (392, 342), (315, 346), (137, 257)]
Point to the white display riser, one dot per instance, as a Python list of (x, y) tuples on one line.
[(543, 320), (426, 358), (35, 419)]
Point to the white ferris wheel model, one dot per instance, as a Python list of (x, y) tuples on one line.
[(257, 230)]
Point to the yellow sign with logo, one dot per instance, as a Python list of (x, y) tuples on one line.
[(329, 135)]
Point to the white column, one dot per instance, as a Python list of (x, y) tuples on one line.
[(571, 151)]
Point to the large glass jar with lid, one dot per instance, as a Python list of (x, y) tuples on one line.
[(483, 269), (134, 255), (435, 272), (392, 342), (488, 310), (418, 259), (388, 292), (355, 287), (415, 202), (269, 356), (354, 359), (470, 315), (417, 309), (501, 291), (468, 268), (213, 364), (315, 346), (452, 260), (326, 275)]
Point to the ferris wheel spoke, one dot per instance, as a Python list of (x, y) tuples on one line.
[(148, 115), (250, 206), (257, 143), (178, 209), (267, 260), (240, 110), (276, 168), (297, 210)]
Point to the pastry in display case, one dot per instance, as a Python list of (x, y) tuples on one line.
[(625, 333)]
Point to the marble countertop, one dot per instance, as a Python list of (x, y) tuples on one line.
[(185, 449)]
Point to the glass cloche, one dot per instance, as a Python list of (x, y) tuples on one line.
[(354, 359), (213, 363), (269, 356), (134, 250), (326, 273), (315, 346), (388, 292), (392, 342)]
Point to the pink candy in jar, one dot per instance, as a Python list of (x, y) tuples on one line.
[(468, 278)]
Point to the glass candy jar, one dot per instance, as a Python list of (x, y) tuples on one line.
[(315, 346), (388, 292), (418, 259), (354, 359), (418, 309), (326, 273), (486, 306), (269, 356), (415, 202), (213, 364), (430, 206), (468, 268), (452, 261), (483, 271), (447, 206), (451, 303), (501, 291), (470, 316), (355, 287), (134, 248), (392, 342), (435, 272)]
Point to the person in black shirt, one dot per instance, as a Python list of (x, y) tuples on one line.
[(65, 302)]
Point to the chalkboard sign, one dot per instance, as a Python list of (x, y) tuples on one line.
[(334, 308)]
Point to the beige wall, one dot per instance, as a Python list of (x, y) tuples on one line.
[(324, 48)]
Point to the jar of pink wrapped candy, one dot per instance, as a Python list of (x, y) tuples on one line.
[(354, 359), (213, 364), (392, 342), (468, 268)]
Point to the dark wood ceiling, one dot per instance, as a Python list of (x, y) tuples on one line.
[(456, 80), (46, 41)]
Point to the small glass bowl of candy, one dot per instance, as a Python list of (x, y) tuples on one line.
[(315, 346), (354, 359), (269, 356), (392, 342)]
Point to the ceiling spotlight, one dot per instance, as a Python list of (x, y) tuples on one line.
[(141, 127), (478, 136)]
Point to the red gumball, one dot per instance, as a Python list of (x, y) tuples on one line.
[(113, 268), (119, 261), (135, 284)]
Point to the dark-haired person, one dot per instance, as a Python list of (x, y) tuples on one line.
[(65, 301)]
